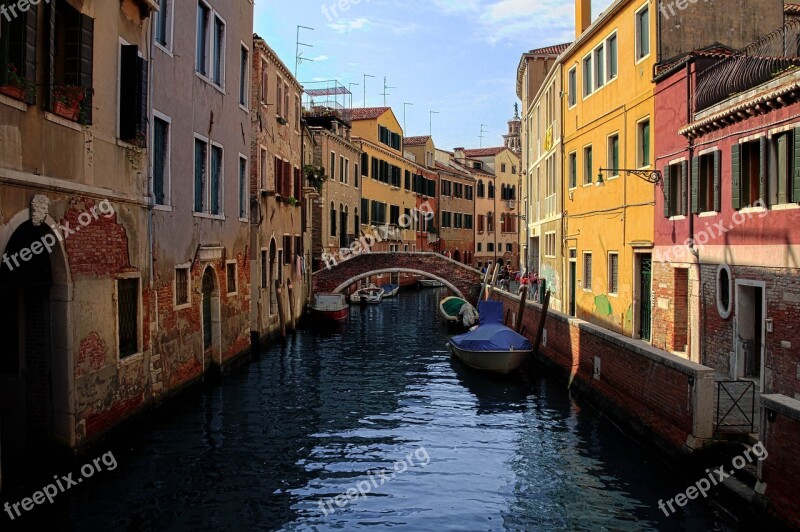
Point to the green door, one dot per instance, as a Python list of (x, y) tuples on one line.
[(646, 297)]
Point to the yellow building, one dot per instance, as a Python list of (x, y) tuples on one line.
[(608, 109), (390, 182)]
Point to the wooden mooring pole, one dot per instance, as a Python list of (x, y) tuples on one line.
[(523, 297), (281, 311), (292, 315), (542, 318)]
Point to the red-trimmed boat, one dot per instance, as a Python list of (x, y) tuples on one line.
[(330, 307)]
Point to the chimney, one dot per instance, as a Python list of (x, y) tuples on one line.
[(583, 16), (459, 155)]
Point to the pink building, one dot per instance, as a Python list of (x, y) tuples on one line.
[(726, 269)]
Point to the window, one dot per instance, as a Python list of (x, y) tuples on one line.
[(643, 135), (642, 33), (613, 273), (244, 77), (491, 190), (550, 245), (468, 220), (468, 192), (490, 222), (230, 277), (132, 96), (706, 183), (332, 167), (503, 167), (201, 59), (573, 169), (513, 169), (264, 88), (573, 86), (394, 215), (510, 248), (611, 57), (287, 250), (599, 67), (481, 192), (279, 98), (341, 169), (207, 184), (218, 53), (675, 181), (613, 154), (263, 170), (480, 247), (749, 161), (264, 269), (200, 175), (216, 180), (333, 219), (161, 157), (587, 271), (128, 316), (724, 289), (181, 286), (587, 76), (243, 200), (18, 38), (481, 224), (587, 165), (163, 21), (490, 247), (355, 175), (784, 185)]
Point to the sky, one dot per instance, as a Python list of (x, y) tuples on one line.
[(456, 57)]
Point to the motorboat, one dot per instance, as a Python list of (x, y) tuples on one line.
[(330, 307), (370, 295), (430, 283), (458, 312), (390, 290), (491, 346)]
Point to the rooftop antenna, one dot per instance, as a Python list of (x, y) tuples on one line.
[(481, 135), (365, 88), (405, 104), (350, 88), (385, 89), (430, 120), (298, 56)]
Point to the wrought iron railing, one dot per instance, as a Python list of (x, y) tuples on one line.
[(758, 63)]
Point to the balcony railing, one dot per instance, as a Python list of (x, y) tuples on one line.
[(758, 63)]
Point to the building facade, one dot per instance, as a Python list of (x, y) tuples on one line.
[(456, 209), (75, 276), (280, 267)]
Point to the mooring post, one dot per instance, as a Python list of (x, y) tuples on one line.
[(281, 311), (542, 319), (490, 288), (292, 316), (523, 297)]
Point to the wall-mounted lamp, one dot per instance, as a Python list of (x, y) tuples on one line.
[(600, 181), (651, 176)]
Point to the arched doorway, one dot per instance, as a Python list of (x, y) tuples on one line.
[(457, 256), (343, 228), (35, 359), (211, 315)]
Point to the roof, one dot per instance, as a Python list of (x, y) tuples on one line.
[(416, 141), (484, 152), (791, 9), (712, 51), (365, 113), (550, 50), (335, 91)]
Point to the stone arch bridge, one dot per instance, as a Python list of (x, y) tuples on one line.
[(463, 280)]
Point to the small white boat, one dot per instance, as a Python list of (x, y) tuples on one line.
[(491, 346), (332, 307), (371, 295), (430, 283), (390, 290)]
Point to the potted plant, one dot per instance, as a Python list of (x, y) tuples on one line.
[(315, 176), (67, 100), (292, 201), (16, 86)]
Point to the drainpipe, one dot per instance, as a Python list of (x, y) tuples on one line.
[(151, 204), (692, 248)]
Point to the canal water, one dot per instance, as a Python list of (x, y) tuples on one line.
[(379, 412)]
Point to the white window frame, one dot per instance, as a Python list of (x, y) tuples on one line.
[(205, 39), (583, 167), (223, 51), (590, 57), (167, 206), (639, 57), (235, 278), (610, 273), (569, 156), (572, 99), (639, 143), (212, 145), (246, 82), (243, 157), (547, 236), (170, 25), (188, 267), (587, 287), (607, 54), (608, 154), (599, 52)]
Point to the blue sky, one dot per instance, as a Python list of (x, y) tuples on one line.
[(457, 57)]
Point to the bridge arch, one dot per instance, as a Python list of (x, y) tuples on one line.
[(342, 287)]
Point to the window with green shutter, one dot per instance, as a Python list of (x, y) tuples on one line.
[(796, 165), (736, 177)]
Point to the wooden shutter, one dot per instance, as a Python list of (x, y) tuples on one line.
[(696, 185), (762, 170), (796, 166), (51, 53), (667, 178), (736, 176), (717, 182), (684, 187), (29, 51), (79, 52)]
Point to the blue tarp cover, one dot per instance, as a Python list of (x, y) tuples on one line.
[(491, 334)]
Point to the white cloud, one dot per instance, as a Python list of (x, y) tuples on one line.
[(350, 25), (320, 58)]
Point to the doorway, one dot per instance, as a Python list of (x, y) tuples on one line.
[(573, 281), (211, 315), (750, 330), (645, 295)]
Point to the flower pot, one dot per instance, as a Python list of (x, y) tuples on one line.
[(70, 112), (18, 93)]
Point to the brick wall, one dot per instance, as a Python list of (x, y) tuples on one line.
[(781, 470), (654, 392)]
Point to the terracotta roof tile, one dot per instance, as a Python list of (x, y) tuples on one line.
[(791, 9), (416, 141), (484, 152), (550, 50), (365, 113)]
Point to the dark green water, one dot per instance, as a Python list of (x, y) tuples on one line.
[(327, 412)]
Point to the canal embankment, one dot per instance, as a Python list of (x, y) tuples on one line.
[(662, 399)]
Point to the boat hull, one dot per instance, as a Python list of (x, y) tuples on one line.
[(503, 362), (430, 283), (339, 315)]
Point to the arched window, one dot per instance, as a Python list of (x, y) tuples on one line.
[(490, 221), (513, 192), (333, 219), (491, 190), (356, 222), (481, 191)]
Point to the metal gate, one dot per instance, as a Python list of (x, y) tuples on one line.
[(646, 297)]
